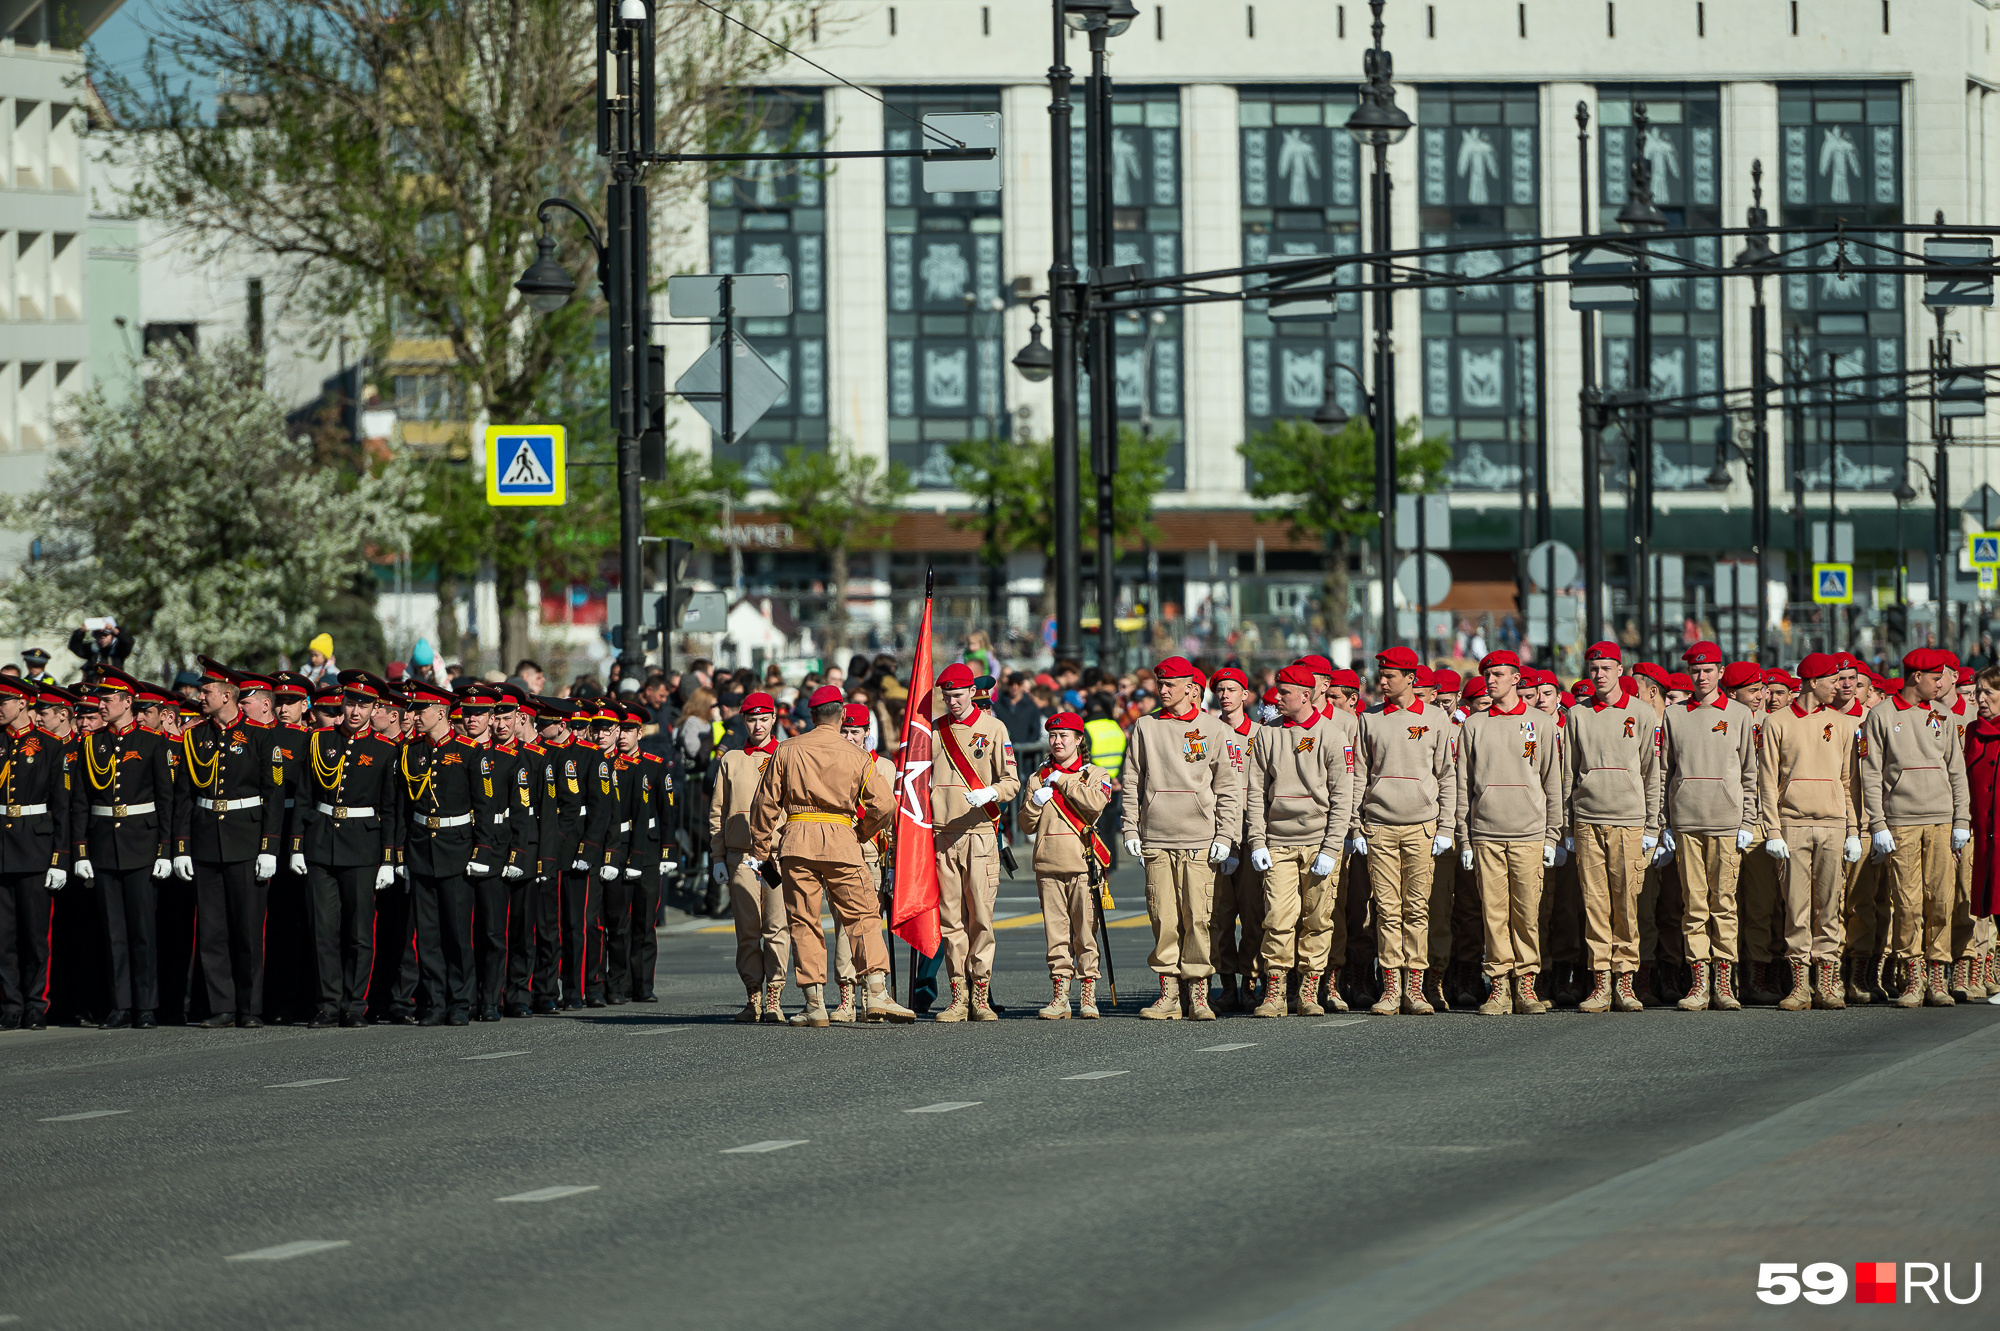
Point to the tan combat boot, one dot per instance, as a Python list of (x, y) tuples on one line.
[(1334, 1002), (1937, 994), (753, 1006), (982, 1001), (1273, 1004), (1912, 994), (1086, 1000), (774, 1007), (1414, 1001), (1198, 1006), (1499, 1001), (1850, 974), (1961, 980), (1801, 996), (845, 1014), (1058, 1007), (1725, 987), (1624, 998), (1525, 998), (1392, 995), (1826, 987), (1698, 992), (814, 1012), (1599, 998), (1309, 1004), (881, 1005), (1168, 1006), (958, 1009)]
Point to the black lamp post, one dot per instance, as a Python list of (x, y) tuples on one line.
[(1376, 123), (1756, 256), (1639, 215), (1102, 23)]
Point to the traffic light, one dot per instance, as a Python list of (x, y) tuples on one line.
[(674, 604), (1896, 623), (653, 439)]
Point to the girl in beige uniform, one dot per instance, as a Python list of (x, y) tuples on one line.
[(1064, 799)]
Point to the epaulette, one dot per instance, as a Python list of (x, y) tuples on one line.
[(534, 746), (652, 757), (468, 743), (507, 749)]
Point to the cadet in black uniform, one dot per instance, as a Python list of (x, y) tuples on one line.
[(533, 823), (573, 764), (601, 858), (649, 829), (122, 816), (353, 793), (34, 825), (291, 971), (175, 908), (620, 892), (481, 707)]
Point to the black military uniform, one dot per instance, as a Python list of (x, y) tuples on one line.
[(575, 764), (291, 969), (349, 832), (602, 853), (229, 821), (451, 820), (534, 942), (122, 816), (620, 892), (645, 853), (175, 910), (500, 772), (34, 827)]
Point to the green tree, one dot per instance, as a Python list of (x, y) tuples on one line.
[(193, 513), (838, 501), (1326, 484)]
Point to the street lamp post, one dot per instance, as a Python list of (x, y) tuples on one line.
[(1593, 441), (1100, 349), (1063, 322), (1756, 256), (1640, 216)]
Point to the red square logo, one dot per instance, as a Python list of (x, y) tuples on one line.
[(1874, 1282)]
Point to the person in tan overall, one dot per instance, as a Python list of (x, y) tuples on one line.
[(757, 909), (1611, 783), (1807, 779), (830, 799), (1300, 801), (854, 729), (1182, 811), (1064, 799), (1711, 769), (972, 776), (1510, 823), (1239, 888)]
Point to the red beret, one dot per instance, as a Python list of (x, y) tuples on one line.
[(1398, 658), (1500, 658), (1677, 680), (1064, 721), (1888, 685), (1658, 674), (1966, 674), (1448, 681), (1741, 674), (855, 714), (1229, 675), (1200, 680), (1298, 674), (1603, 651), (1344, 679), (1425, 679), (1319, 665), (1475, 687), (1566, 698), (957, 675), (1271, 697), (827, 693), (1817, 665), (1923, 659), (1174, 667), (759, 702), (1950, 658), (1703, 653)]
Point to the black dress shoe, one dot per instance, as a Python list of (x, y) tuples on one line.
[(489, 1014), (145, 1021), (544, 1008), (216, 1022), (10, 1021), (593, 1002), (400, 1019), (351, 1019), (617, 1000), (456, 1018), (433, 1018), (322, 1019), (117, 1021), (648, 997), (35, 1024), (514, 1010), (574, 1005), (250, 1022)]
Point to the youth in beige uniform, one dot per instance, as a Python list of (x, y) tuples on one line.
[(757, 909), (1509, 804), (1711, 802), (1806, 783), (1612, 785), (1065, 796), (1760, 934), (1183, 807), (968, 849), (1239, 888), (854, 729), (1918, 806), (1960, 712)]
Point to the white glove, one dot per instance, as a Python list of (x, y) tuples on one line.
[(1851, 852), (513, 871), (1323, 865), (632, 873), (1260, 860), (718, 871), (478, 870), (580, 865), (55, 880), (1465, 858), (1745, 838), (1777, 849), (1043, 794), (266, 867), (384, 876), (1646, 844), (1885, 846), (1134, 847), (1440, 844), (1959, 839), (161, 868), (184, 868), (608, 872), (1549, 849), (84, 870), (1458, 716), (1562, 856), (1358, 844), (979, 798), (1231, 864), (403, 872), (1050, 779), (297, 864), (1667, 840), (1218, 851), (754, 866)]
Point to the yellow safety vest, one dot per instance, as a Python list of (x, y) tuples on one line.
[(1107, 744)]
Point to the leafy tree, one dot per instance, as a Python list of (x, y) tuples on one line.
[(1326, 483), (838, 501), (195, 515)]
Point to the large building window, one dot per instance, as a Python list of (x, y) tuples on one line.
[(771, 218), (1840, 158), (946, 379), (1478, 181), (1683, 143), (1303, 191)]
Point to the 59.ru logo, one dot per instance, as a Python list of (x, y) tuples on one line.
[(1874, 1282)]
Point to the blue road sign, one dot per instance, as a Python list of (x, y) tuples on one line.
[(524, 464), (1833, 584)]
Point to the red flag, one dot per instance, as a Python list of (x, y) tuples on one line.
[(914, 919)]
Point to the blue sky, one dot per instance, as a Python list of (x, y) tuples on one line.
[(120, 45)]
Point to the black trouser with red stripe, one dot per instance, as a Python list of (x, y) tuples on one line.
[(617, 979), (25, 939), (126, 903), (229, 929), (582, 935), (440, 950), (343, 926), (491, 899), (645, 938)]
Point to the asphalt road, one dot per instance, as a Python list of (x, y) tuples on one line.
[(1311, 1172)]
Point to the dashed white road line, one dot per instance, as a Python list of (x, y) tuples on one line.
[(760, 1148), (88, 1113), (310, 1081), (1351, 1021), (1226, 1048), (660, 1030), (944, 1107), (284, 1252), (1096, 1076), (510, 1053), (550, 1194)]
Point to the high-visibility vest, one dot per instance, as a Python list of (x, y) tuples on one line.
[(1107, 744)]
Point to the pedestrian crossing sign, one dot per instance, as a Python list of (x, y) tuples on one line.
[(1983, 549), (1833, 584), (1989, 578), (524, 464)]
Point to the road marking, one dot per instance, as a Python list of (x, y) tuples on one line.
[(511, 1053), (550, 1194), (284, 1252), (1095, 1076), (8, 1319), (660, 1030), (759, 1148), (88, 1113), (313, 1081), (944, 1107), (1225, 1048), (1020, 921), (1351, 1021)]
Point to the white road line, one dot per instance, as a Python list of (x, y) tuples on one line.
[(1225, 1048), (1351, 1021), (88, 1113), (1096, 1076), (660, 1030), (8, 1319), (944, 1107), (550, 1194), (284, 1252), (759, 1148), (311, 1081), (511, 1053)]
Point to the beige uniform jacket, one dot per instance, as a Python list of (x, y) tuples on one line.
[(1059, 851), (1611, 765), (989, 752), (1302, 789), (1710, 757), (1912, 768), (819, 780), (1181, 793), (737, 776), (1404, 756), (1237, 746), (1806, 769), (1508, 776), (872, 849)]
